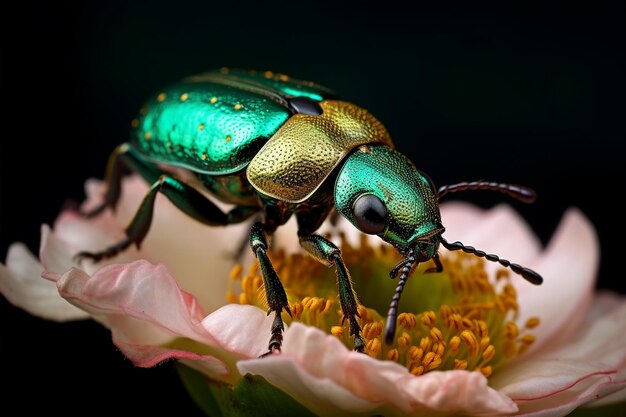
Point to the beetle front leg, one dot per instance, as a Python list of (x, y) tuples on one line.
[(274, 290), (327, 253)]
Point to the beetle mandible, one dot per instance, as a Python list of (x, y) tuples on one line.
[(277, 146)]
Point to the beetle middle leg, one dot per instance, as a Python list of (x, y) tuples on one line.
[(274, 290), (327, 253), (189, 200)]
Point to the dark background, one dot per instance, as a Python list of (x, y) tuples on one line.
[(525, 94)]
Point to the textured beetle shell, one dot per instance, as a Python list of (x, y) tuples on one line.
[(214, 123), (306, 149), (207, 127)]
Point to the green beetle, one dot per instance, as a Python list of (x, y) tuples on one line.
[(278, 146)]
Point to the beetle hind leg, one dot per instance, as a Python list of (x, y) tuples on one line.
[(189, 200), (274, 290), (122, 159)]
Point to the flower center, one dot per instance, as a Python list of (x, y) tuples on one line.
[(457, 319)]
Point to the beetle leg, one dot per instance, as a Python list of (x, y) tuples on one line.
[(121, 158), (327, 253), (438, 265), (274, 290), (189, 200)]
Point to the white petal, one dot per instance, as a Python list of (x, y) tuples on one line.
[(21, 283), (568, 266), (568, 372)]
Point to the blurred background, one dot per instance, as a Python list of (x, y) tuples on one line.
[(524, 94)]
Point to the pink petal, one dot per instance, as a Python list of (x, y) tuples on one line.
[(321, 373), (22, 285), (569, 267), (148, 314), (570, 371), (243, 330), (199, 256), (144, 308), (499, 230)]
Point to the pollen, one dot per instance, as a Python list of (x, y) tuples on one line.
[(463, 318), (184, 97), (238, 106), (213, 100), (161, 97)]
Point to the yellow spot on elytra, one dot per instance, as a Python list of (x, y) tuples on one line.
[(213, 100), (228, 138), (268, 74), (161, 97), (184, 97), (204, 156), (201, 127), (147, 135), (134, 123), (238, 106)]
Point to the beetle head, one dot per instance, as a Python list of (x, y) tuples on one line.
[(381, 192)]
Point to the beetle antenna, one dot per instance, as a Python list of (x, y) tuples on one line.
[(518, 192), (392, 314), (528, 274)]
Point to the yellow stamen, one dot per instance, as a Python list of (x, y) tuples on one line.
[(470, 325)]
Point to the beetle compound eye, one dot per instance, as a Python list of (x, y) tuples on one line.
[(370, 214)]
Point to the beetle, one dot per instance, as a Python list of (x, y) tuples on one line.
[(275, 146)]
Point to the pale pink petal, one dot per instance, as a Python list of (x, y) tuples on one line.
[(243, 330), (568, 266), (199, 256), (144, 308), (569, 372), (500, 231), (22, 285), (324, 375), (149, 315)]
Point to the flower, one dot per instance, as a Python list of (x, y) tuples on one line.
[(166, 301)]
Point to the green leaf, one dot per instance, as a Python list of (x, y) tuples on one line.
[(252, 396)]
